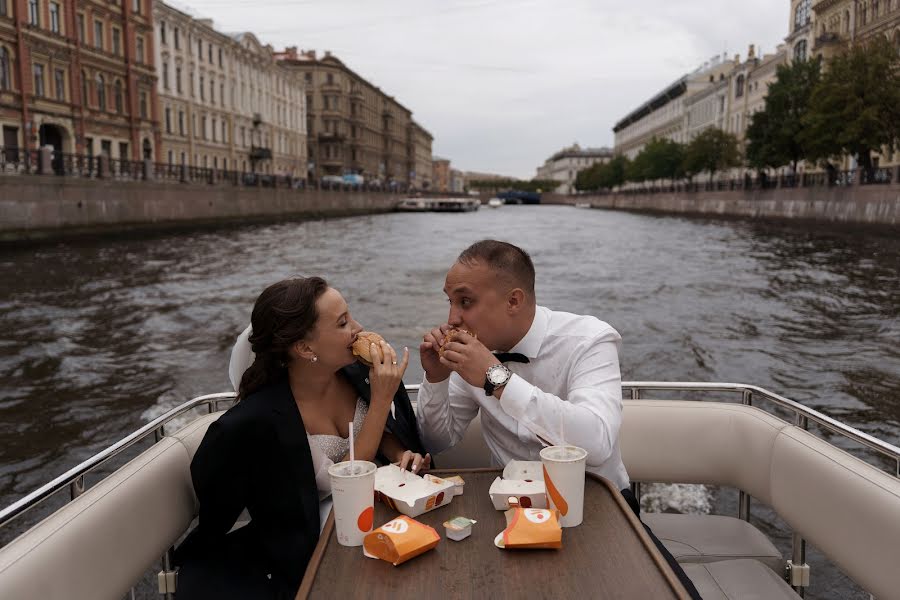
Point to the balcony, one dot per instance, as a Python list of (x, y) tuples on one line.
[(257, 119), (331, 136), (260, 153), (828, 38)]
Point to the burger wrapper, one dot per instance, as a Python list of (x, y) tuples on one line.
[(399, 540), (528, 528)]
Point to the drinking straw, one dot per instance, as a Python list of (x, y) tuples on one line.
[(352, 452)]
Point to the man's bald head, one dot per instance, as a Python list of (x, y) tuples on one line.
[(512, 265)]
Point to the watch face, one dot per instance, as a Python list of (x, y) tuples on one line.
[(498, 375)]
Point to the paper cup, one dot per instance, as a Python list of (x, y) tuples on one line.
[(354, 500), (564, 479)]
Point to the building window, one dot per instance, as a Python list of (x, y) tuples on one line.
[(802, 14), (136, 6), (168, 120), (3, 10), (800, 51), (212, 91), (54, 17), (117, 95), (39, 80), (171, 155), (59, 84), (98, 35), (222, 93), (307, 77), (34, 13), (221, 62), (101, 92), (224, 133), (214, 130), (143, 107), (139, 49), (5, 70), (162, 33), (176, 39), (116, 41), (200, 49), (330, 78), (180, 122), (210, 53), (739, 87), (81, 28), (84, 88), (191, 82)]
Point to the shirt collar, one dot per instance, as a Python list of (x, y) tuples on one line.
[(530, 345)]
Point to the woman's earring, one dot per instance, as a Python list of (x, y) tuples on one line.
[(314, 358)]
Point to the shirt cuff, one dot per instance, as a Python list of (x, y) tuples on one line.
[(516, 397), (434, 389)]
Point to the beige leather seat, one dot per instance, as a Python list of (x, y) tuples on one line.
[(743, 579), (712, 538)]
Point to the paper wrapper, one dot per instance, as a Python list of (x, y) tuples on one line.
[(530, 528), (399, 540)]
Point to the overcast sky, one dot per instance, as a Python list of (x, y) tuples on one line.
[(501, 85)]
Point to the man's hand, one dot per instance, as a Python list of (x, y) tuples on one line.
[(468, 357), (435, 371)]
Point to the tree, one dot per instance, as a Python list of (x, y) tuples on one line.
[(855, 107), (773, 136), (602, 175), (664, 159), (712, 150)]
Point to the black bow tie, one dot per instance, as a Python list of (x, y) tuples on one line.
[(511, 357)]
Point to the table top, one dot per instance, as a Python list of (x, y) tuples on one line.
[(608, 556)]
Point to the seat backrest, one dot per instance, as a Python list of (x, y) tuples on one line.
[(845, 507), (101, 543), (674, 441)]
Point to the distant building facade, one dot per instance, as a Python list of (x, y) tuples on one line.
[(564, 165), (225, 103), (78, 76), (353, 127), (440, 174)]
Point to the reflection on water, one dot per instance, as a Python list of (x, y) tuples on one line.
[(99, 337)]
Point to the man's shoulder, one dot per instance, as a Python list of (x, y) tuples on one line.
[(566, 324)]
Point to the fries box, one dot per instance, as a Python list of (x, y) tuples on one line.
[(522, 485), (399, 540), (410, 494), (530, 528)]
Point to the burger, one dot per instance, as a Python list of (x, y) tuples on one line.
[(451, 335), (362, 348)]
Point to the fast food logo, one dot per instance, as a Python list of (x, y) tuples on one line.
[(537, 515), (398, 526), (556, 499)]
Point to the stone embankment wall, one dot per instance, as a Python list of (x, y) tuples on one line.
[(42, 207), (861, 204)]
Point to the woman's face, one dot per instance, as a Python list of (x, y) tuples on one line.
[(335, 331)]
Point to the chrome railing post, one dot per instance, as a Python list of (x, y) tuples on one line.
[(635, 393), (744, 497), (159, 433), (798, 544), (77, 487)]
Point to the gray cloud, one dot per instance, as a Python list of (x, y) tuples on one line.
[(502, 84)]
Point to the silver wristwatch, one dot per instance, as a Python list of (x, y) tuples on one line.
[(496, 376)]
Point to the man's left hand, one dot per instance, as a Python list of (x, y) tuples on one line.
[(468, 357)]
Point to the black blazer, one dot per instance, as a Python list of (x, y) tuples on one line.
[(257, 456)]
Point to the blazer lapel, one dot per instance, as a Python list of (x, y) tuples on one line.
[(292, 435)]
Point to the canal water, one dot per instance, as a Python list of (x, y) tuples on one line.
[(98, 337)]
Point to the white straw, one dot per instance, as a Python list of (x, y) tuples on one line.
[(352, 451), (562, 427)]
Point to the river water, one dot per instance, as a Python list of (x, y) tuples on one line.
[(98, 337)]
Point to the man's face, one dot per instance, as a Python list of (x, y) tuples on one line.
[(478, 303)]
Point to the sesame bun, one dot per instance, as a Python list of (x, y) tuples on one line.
[(452, 335), (362, 349)]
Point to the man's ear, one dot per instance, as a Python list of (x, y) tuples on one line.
[(515, 300)]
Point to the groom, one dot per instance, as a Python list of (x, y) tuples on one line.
[(556, 372)]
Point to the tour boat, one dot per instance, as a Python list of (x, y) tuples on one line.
[(108, 536), (495, 203), (438, 205)]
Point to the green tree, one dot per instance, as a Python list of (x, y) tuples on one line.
[(712, 151), (855, 108), (664, 159), (602, 175), (774, 134)]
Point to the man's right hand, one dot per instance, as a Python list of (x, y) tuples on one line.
[(428, 353)]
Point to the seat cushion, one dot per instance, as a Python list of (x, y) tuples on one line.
[(743, 579), (712, 538)]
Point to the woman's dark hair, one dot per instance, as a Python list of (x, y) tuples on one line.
[(283, 314)]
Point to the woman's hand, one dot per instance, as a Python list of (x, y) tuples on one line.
[(385, 374), (415, 462)]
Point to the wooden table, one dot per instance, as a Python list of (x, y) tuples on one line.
[(608, 556)]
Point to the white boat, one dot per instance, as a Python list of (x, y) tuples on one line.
[(412, 205), (495, 202), (582, 205), (109, 536), (439, 205)]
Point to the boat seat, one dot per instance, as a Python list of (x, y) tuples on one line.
[(743, 579), (712, 538)]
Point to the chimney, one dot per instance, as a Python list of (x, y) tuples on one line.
[(751, 52)]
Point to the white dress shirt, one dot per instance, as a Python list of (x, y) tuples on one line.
[(571, 386)]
